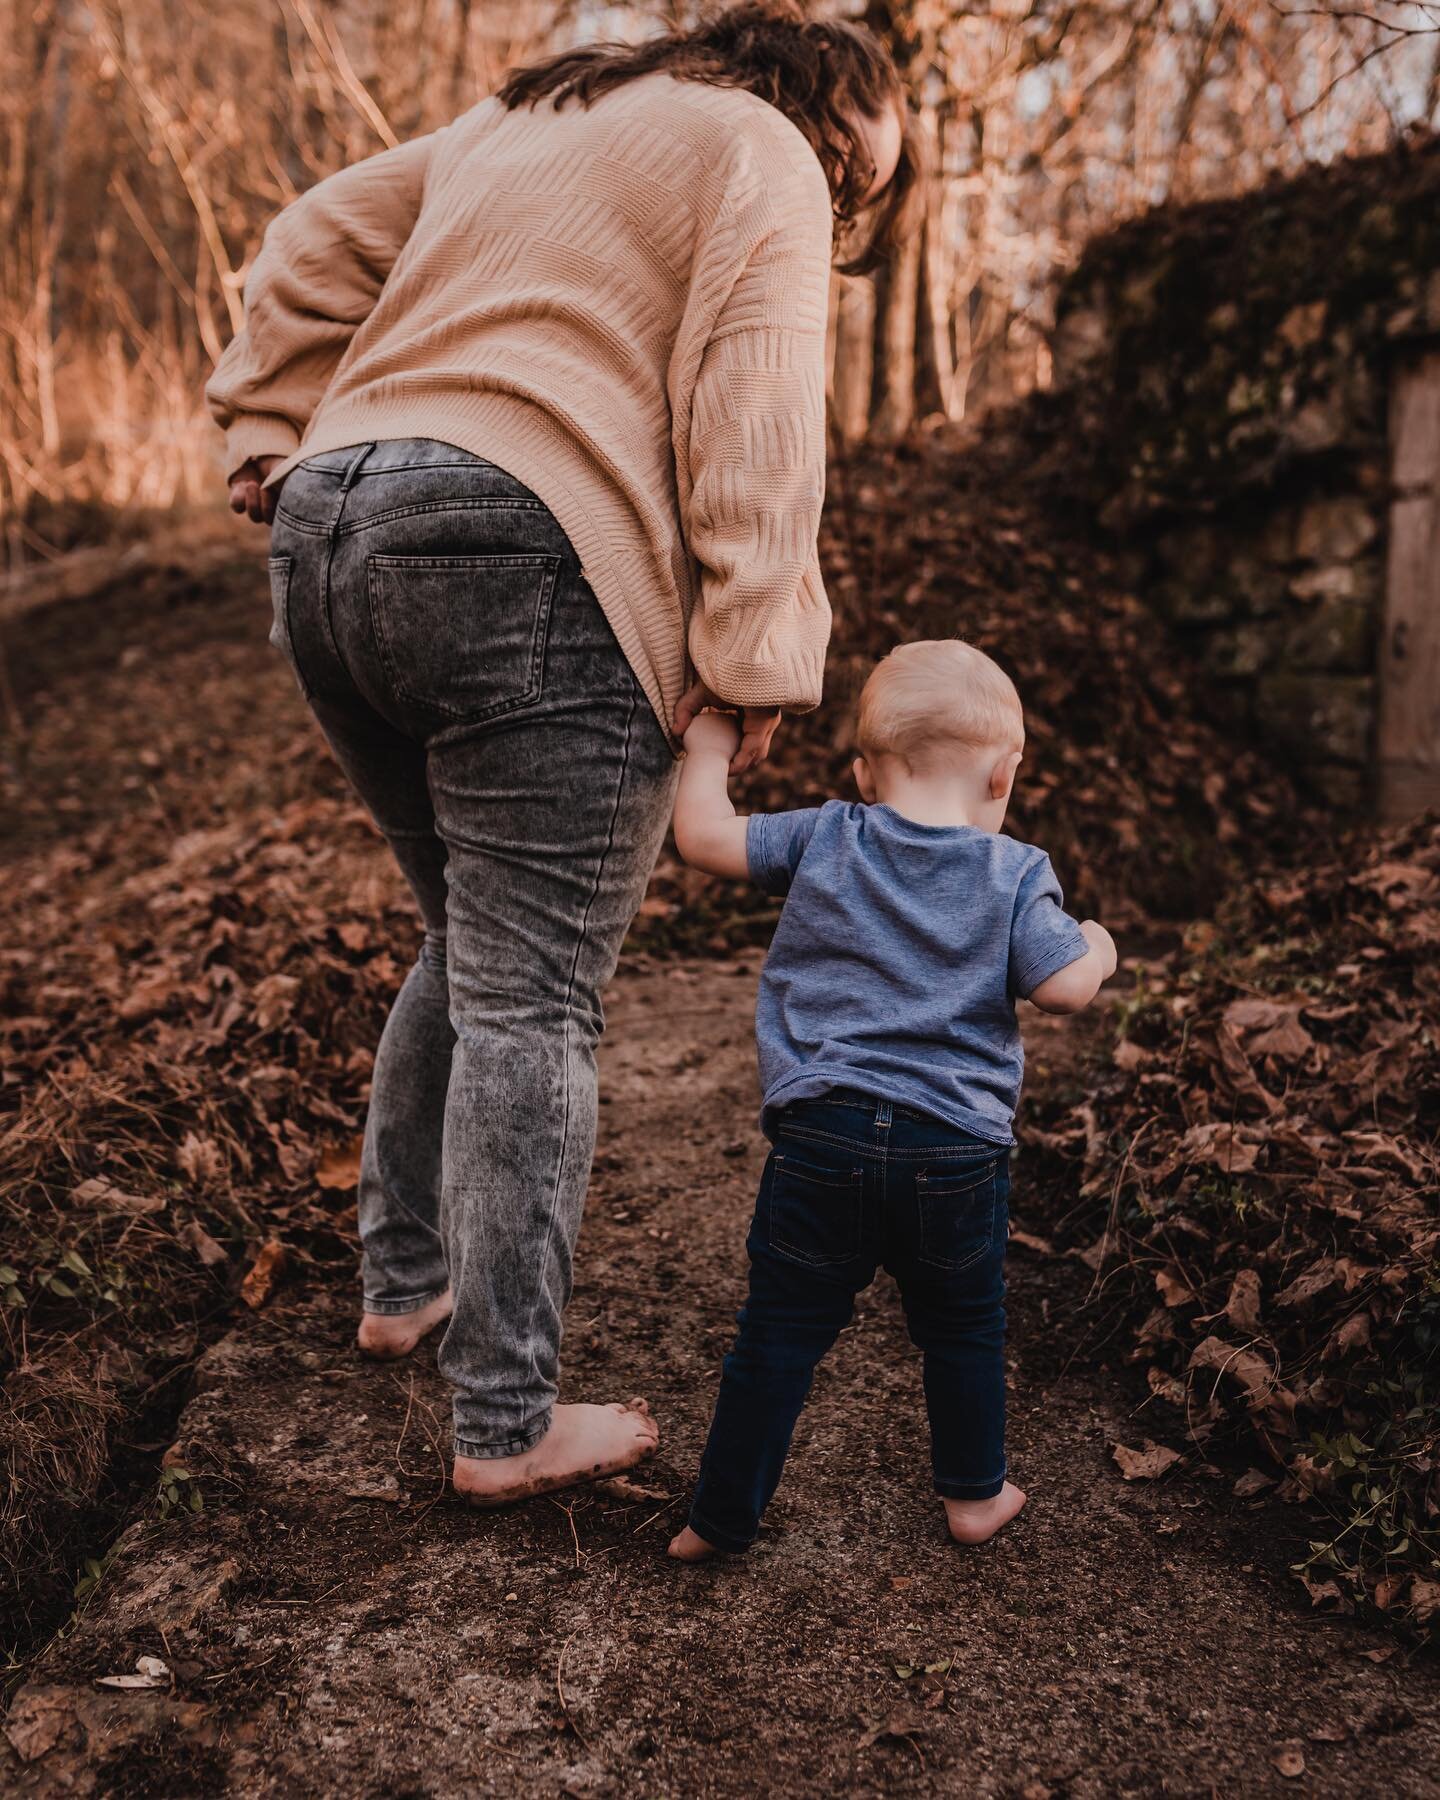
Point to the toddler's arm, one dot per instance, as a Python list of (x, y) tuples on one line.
[(1072, 988), (708, 834)]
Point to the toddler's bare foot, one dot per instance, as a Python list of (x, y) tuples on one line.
[(584, 1443), (386, 1336), (973, 1521), (691, 1547)]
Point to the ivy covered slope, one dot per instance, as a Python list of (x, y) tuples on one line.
[(1211, 351), (1262, 1163)]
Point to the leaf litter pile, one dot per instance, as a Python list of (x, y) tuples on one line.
[(1147, 809), (1263, 1165), (207, 934)]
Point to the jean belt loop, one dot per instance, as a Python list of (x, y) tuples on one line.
[(883, 1115), (347, 481)]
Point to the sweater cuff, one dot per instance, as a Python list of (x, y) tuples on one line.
[(793, 684), (258, 434)]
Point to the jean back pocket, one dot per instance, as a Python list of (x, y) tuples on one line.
[(463, 637), (958, 1208), (815, 1214)]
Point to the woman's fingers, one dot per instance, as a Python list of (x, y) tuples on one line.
[(690, 705), (760, 725), (246, 493)]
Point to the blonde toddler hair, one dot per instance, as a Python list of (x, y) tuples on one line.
[(925, 699)]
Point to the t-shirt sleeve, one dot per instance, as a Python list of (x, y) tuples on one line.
[(1043, 937), (774, 844)]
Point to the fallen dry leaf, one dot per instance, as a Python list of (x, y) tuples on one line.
[(1322, 1592), (1315, 1280), (194, 1236), (901, 1722), (621, 1487), (199, 1158), (1252, 1482), (1164, 1386), (1425, 1600), (339, 1166), (38, 1719), (1145, 1464), (1289, 1759), (104, 1196), (1174, 1289), (260, 1279), (1242, 1308)]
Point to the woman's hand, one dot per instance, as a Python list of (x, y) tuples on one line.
[(246, 493), (758, 724)]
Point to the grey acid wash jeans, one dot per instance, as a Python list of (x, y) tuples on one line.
[(438, 623)]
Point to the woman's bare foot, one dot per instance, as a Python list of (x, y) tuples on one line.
[(973, 1521), (691, 1547), (386, 1336), (584, 1443)]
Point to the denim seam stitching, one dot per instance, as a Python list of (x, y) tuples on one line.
[(461, 503), (565, 1037), (877, 1152), (273, 566)]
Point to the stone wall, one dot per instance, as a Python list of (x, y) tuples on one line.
[(1223, 378)]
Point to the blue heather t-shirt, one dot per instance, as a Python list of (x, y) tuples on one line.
[(898, 956)]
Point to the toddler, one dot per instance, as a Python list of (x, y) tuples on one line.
[(890, 1062)]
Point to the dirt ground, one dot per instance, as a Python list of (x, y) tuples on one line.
[(337, 1625), (334, 1624)]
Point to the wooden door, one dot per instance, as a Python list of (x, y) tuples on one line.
[(1409, 740)]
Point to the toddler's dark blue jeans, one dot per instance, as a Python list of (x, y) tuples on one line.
[(851, 1184)]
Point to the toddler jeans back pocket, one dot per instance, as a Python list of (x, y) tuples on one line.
[(815, 1214), (958, 1208)]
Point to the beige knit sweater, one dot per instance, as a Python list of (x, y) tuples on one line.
[(625, 309)]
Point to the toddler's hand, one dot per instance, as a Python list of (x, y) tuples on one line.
[(1101, 942), (715, 732)]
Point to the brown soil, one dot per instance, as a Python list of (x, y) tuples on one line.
[(339, 1625), (336, 1624)]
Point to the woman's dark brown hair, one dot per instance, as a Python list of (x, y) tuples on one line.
[(820, 73)]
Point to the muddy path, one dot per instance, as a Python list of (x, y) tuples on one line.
[(336, 1625)]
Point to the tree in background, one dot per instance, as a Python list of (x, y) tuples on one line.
[(147, 142)]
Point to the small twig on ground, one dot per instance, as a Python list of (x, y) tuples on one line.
[(560, 1690), (569, 1512), (656, 1515), (400, 1441)]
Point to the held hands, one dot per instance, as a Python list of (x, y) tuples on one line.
[(246, 493), (715, 733), (759, 724)]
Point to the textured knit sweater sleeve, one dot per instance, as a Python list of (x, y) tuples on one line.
[(318, 274), (756, 483)]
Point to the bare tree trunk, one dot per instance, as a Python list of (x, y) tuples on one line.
[(854, 357), (894, 381)]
